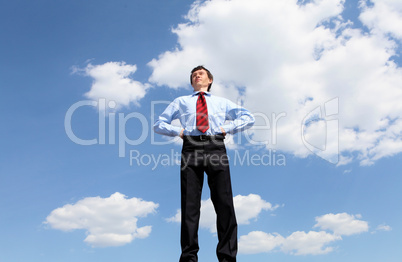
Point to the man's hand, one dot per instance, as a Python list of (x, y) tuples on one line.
[(223, 131), (181, 134)]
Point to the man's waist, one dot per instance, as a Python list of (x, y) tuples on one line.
[(204, 137)]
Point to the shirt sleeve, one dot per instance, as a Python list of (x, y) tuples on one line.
[(239, 117), (163, 125)]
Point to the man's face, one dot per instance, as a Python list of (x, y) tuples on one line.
[(200, 80)]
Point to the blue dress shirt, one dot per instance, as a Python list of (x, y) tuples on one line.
[(219, 110)]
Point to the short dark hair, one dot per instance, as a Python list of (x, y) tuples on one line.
[(201, 67)]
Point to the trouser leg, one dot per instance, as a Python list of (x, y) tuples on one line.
[(192, 177), (222, 198)]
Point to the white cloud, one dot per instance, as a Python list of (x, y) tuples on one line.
[(384, 16), (259, 242), (111, 81), (108, 221), (176, 218), (293, 58), (302, 243), (382, 227), (249, 207), (342, 224), (311, 243), (298, 243), (246, 207)]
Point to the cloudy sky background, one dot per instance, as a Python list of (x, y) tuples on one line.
[(84, 178)]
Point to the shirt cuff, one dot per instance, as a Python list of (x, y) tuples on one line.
[(228, 128), (176, 130)]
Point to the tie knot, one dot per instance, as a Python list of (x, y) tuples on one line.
[(201, 93)]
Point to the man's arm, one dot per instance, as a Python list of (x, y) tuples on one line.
[(239, 117), (163, 125)]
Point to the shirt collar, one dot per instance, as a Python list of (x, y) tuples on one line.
[(205, 92)]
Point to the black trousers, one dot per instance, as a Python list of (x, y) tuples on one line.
[(209, 157)]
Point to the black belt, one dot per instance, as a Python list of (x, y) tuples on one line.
[(204, 138)]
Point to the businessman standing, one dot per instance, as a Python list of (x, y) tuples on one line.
[(205, 120)]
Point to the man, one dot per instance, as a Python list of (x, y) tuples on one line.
[(202, 117)]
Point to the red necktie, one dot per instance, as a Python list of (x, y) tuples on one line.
[(202, 113)]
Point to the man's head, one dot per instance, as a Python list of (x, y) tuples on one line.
[(201, 79)]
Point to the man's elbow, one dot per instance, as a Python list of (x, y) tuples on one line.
[(251, 121), (156, 127)]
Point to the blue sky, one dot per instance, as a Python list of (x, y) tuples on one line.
[(329, 72)]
